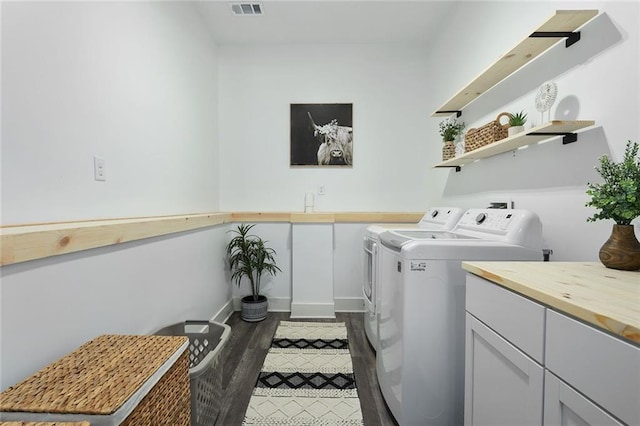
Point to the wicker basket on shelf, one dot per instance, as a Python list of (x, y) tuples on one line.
[(489, 133)]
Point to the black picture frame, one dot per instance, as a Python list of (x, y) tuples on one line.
[(321, 135)]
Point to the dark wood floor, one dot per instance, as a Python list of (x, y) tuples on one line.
[(244, 353)]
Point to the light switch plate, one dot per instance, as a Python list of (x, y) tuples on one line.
[(99, 169)]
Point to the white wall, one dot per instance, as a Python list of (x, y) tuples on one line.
[(394, 90), (385, 83), (135, 83), (52, 306), (132, 82), (597, 80)]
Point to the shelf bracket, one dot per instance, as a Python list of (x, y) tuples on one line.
[(458, 169), (456, 112), (572, 36), (566, 137)]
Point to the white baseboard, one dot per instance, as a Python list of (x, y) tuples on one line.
[(301, 310), (313, 310), (276, 304), (349, 304), (279, 304), (224, 313)]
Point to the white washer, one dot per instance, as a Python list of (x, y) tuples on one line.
[(420, 359), (436, 218)]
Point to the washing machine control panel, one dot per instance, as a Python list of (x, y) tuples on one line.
[(512, 225), (491, 220), (441, 217)]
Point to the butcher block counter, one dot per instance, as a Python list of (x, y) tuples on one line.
[(606, 298)]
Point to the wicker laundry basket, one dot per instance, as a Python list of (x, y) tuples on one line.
[(489, 133), (110, 380)]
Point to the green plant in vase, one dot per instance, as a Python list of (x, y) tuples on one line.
[(449, 131), (250, 258), (517, 122), (618, 199)]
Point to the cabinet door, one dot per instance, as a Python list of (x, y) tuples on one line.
[(503, 386), (564, 406), (603, 368)]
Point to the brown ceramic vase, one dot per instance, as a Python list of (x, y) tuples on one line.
[(622, 249)]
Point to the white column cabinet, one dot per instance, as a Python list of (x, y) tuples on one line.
[(526, 364), (312, 271)]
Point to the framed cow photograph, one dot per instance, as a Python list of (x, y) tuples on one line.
[(322, 135)]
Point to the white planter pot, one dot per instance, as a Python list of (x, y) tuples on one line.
[(515, 130)]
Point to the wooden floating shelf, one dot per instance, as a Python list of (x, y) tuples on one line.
[(563, 21), (536, 134)]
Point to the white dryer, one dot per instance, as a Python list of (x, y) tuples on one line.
[(420, 358), (436, 218)]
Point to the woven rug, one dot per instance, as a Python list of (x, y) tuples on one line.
[(306, 379)]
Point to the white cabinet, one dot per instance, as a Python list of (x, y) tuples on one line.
[(520, 353), (566, 407), (503, 384), (312, 271), (603, 368)]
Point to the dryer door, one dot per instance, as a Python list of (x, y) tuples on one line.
[(370, 274)]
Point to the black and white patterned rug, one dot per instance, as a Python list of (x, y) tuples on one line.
[(306, 379)]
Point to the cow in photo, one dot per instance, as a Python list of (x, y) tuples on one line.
[(336, 143)]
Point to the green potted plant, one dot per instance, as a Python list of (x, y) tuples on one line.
[(449, 130), (516, 123), (618, 199), (250, 258)]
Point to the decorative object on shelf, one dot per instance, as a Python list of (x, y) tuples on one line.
[(545, 98), (489, 133), (517, 122), (547, 131), (618, 198), (449, 130), (459, 148), (249, 257), (448, 150)]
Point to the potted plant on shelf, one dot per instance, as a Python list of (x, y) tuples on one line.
[(249, 257), (618, 198), (449, 130), (517, 122)]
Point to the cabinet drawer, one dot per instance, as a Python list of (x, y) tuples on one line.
[(602, 367), (516, 318)]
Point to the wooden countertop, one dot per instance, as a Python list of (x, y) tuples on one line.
[(606, 298), (24, 242)]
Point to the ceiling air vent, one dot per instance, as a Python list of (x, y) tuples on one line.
[(246, 8)]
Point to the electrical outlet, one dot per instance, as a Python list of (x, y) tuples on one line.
[(99, 169), (321, 189), (501, 203)]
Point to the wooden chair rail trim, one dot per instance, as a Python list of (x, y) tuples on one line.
[(21, 243)]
